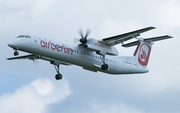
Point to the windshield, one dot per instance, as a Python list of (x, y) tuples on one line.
[(23, 36)]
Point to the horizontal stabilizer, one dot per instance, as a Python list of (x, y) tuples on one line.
[(147, 40)]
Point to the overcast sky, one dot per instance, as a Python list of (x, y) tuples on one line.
[(30, 87)]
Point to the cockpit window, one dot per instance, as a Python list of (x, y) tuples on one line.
[(23, 36)]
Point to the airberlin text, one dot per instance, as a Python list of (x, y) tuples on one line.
[(57, 47)]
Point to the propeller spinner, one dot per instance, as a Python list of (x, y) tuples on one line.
[(83, 39)]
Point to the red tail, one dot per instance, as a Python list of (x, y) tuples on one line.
[(142, 53)]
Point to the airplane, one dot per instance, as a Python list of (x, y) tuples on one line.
[(91, 54)]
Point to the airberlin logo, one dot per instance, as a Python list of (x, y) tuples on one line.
[(144, 54), (59, 48)]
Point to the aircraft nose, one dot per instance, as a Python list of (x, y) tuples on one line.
[(13, 44)]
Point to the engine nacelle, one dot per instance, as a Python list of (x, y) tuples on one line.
[(101, 48)]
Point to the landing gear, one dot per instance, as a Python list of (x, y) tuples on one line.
[(16, 53), (58, 76), (104, 66)]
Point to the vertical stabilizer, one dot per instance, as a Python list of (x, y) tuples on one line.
[(142, 53), (143, 50)]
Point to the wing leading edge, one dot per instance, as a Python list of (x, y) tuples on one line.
[(34, 57), (124, 37)]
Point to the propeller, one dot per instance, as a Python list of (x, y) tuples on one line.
[(35, 62), (83, 39)]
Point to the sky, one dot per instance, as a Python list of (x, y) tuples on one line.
[(27, 86)]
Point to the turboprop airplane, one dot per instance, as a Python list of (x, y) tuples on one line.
[(91, 54)]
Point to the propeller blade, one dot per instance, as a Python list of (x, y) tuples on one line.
[(35, 61), (83, 39), (81, 33), (87, 33)]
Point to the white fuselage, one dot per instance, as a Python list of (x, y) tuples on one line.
[(88, 59)]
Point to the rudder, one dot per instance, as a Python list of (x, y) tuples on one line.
[(142, 53)]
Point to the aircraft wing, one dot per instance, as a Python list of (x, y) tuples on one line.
[(30, 57), (124, 37), (34, 57)]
